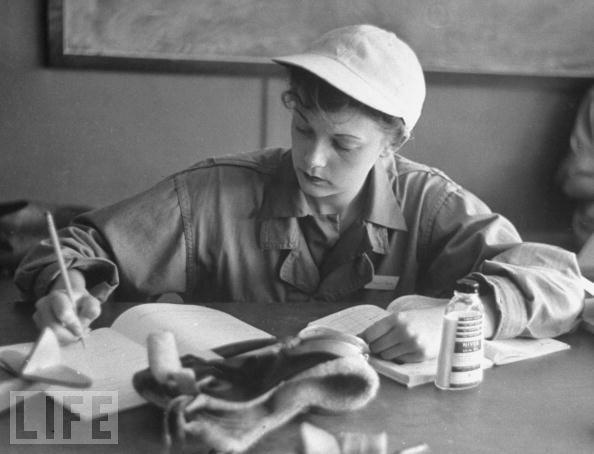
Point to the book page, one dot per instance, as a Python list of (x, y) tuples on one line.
[(507, 351), (353, 320), (9, 382), (197, 328), (108, 357), (111, 360), (413, 374), (409, 374)]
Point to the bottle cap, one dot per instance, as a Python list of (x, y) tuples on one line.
[(467, 285)]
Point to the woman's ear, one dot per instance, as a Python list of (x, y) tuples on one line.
[(399, 142), (388, 150), (394, 139), (392, 146)]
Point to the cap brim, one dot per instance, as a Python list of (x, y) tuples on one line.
[(341, 77)]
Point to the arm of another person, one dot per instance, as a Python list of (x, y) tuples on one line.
[(136, 246), (576, 174), (527, 289)]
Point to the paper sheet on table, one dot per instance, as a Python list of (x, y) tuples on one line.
[(511, 350)]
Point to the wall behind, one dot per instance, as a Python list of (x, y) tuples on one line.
[(94, 137)]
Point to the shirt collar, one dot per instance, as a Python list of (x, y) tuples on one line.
[(283, 198), (382, 206)]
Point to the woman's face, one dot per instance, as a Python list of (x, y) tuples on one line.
[(333, 153)]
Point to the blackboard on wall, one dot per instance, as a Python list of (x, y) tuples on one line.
[(530, 37)]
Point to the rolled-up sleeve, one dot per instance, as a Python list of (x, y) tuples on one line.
[(83, 249), (537, 290), (135, 246), (537, 287)]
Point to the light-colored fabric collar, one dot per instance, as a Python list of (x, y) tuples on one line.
[(382, 206), (283, 198)]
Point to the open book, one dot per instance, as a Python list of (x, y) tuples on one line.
[(112, 355), (354, 320)]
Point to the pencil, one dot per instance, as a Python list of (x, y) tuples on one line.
[(63, 271)]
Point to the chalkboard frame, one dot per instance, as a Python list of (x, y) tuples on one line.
[(532, 37)]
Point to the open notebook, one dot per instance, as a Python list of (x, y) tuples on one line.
[(354, 320), (112, 355)]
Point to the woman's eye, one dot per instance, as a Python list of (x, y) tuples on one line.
[(343, 146), (304, 131)]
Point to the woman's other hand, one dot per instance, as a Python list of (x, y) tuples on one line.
[(412, 333)]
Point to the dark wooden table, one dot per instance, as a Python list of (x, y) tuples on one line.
[(544, 405)]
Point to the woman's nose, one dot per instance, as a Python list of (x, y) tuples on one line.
[(317, 155)]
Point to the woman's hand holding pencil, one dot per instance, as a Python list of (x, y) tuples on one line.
[(69, 308), (69, 321)]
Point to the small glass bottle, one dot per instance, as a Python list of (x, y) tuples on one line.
[(459, 364)]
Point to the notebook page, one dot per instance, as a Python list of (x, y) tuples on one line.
[(353, 320), (111, 360), (108, 357), (507, 351), (196, 328)]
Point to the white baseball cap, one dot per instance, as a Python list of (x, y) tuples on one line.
[(371, 65)]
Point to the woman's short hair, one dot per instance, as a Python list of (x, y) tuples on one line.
[(310, 92)]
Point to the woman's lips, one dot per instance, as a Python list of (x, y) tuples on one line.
[(312, 178)]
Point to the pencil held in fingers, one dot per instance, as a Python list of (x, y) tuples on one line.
[(67, 314), (72, 325), (55, 311), (88, 309)]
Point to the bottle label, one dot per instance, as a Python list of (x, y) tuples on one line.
[(466, 364)]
